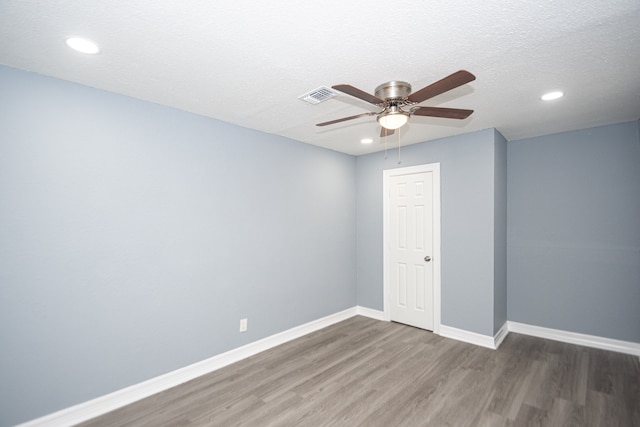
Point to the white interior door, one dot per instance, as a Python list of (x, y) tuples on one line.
[(410, 249)]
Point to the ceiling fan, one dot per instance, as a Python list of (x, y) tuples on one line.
[(398, 103)]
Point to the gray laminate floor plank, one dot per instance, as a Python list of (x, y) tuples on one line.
[(364, 372)]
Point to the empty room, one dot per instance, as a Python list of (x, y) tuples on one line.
[(319, 213)]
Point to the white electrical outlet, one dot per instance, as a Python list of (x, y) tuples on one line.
[(243, 325)]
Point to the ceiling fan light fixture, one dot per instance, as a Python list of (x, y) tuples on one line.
[(393, 120), (392, 97)]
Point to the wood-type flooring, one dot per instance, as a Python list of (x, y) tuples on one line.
[(364, 372)]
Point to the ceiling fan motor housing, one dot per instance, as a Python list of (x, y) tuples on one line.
[(393, 89), (395, 95)]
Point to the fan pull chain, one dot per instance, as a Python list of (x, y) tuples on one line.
[(399, 160), (385, 143)]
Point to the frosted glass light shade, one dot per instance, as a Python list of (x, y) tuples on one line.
[(393, 120)]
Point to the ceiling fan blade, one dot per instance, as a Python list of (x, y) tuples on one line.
[(386, 132), (447, 113), (344, 119), (360, 94), (441, 86)]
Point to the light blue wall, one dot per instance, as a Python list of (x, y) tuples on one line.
[(500, 233), (133, 237), (574, 231), (467, 169)]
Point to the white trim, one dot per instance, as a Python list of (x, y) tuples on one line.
[(492, 342), (575, 338), (434, 168), (369, 312), (500, 335), (112, 401)]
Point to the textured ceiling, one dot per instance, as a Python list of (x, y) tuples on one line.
[(247, 62)]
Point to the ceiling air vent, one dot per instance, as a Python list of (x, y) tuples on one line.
[(319, 95)]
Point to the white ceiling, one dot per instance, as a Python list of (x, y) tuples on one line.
[(247, 62)]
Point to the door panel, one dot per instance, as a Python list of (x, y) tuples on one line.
[(411, 239)]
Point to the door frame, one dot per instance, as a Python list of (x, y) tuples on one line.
[(434, 168)]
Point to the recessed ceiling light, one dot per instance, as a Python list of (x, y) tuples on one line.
[(552, 95), (83, 45), (366, 140)]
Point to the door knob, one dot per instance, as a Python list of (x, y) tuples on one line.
[(427, 258)]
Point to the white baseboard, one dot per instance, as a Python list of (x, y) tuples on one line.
[(112, 401), (450, 332), (500, 335), (575, 338), (540, 332), (492, 342), (369, 312)]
